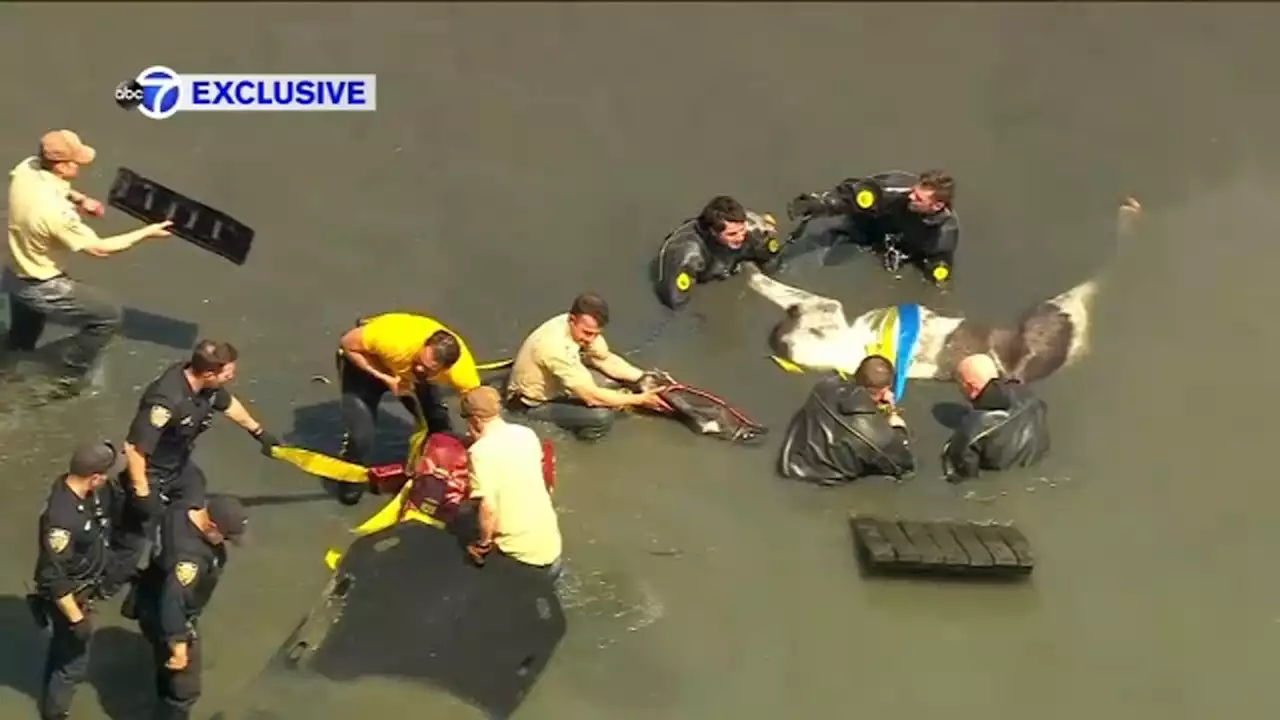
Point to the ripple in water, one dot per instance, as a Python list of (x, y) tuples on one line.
[(608, 606)]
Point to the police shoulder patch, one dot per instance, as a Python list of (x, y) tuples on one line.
[(159, 416), (58, 540), (185, 572)]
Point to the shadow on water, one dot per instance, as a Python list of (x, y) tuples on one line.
[(319, 427), (37, 367), (121, 673), (118, 664), (25, 644), (144, 326), (949, 414), (253, 501), (162, 330)]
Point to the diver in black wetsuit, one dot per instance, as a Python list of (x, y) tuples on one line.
[(848, 429), (1007, 426), (905, 218), (713, 246)]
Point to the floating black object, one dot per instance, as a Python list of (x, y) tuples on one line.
[(941, 547), (405, 603), (197, 223)]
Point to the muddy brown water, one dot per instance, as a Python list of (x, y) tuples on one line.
[(520, 154)]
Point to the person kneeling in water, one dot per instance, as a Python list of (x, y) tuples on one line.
[(713, 246), (516, 514), (849, 429), (1007, 426), (550, 380)]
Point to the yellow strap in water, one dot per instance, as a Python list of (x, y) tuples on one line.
[(495, 365), (787, 365), (321, 465), (384, 518), (332, 558)]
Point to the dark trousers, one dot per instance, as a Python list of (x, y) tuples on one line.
[(570, 414), (177, 690), (361, 394), (66, 665), (32, 303), (136, 537)]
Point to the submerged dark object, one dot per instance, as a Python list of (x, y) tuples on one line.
[(195, 222), (703, 411), (894, 546), (405, 604)]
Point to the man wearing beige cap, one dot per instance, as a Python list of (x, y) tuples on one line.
[(44, 223), (516, 514)]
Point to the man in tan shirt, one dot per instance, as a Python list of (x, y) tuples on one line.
[(550, 379), (515, 512), (44, 223)]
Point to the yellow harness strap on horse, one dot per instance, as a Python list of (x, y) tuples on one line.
[(394, 511), (886, 327), (390, 514)]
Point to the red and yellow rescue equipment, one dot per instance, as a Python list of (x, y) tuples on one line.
[(428, 488)]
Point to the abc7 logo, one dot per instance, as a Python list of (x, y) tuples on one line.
[(129, 94), (161, 86)]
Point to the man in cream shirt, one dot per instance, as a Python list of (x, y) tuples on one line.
[(44, 222), (551, 381), (516, 514)]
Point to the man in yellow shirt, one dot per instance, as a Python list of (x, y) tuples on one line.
[(516, 515), (44, 222), (550, 379), (405, 354)]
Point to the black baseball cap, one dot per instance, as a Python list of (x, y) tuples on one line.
[(96, 457), (229, 514)]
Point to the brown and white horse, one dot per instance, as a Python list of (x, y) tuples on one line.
[(816, 335)]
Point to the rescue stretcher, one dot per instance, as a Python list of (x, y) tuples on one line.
[(195, 222)]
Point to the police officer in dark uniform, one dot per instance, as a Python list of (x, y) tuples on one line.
[(175, 409), (905, 218), (848, 429), (1007, 427), (76, 566), (175, 589), (713, 246)]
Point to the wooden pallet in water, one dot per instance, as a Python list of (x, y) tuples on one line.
[(941, 547)]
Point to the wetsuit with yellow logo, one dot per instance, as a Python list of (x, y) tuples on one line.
[(690, 254), (881, 218), (395, 339)]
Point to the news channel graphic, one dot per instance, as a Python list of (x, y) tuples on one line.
[(160, 93)]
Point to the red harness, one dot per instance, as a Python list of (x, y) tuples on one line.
[(442, 477)]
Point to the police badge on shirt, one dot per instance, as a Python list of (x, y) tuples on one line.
[(58, 540), (186, 573)]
